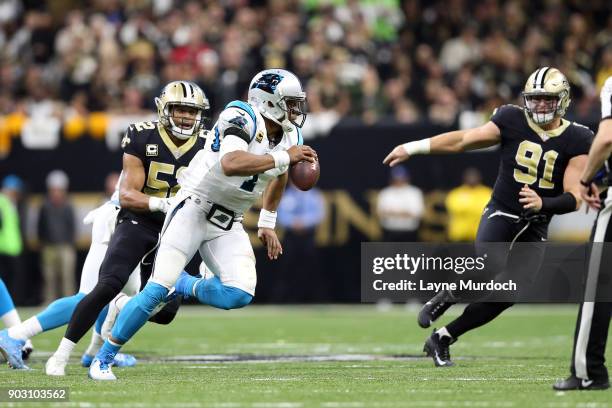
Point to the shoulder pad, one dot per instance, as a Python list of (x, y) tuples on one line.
[(248, 109)]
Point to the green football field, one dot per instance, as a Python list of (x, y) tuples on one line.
[(325, 356)]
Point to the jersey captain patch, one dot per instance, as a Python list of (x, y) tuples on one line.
[(152, 150)]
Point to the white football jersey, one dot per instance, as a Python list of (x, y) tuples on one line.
[(606, 99), (204, 175)]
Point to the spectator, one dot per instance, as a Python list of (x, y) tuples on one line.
[(299, 213), (50, 54), (11, 243), (56, 233), (465, 205), (400, 208)]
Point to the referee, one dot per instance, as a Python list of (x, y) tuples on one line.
[(588, 371)]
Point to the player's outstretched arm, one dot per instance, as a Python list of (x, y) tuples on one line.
[(451, 142), (600, 150)]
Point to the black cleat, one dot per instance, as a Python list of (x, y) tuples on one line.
[(574, 383), (432, 310), (438, 348)]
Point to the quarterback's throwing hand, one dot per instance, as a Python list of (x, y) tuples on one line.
[(268, 237), (300, 153), (396, 156), (530, 199)]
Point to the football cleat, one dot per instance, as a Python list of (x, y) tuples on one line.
[(432, 310), (121, 360), (100, 371), (573, 383), (55, 366), (438, 348), (11, 350), (124, 360), (27, 349)]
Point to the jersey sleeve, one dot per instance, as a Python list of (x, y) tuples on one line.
[(132, 143), (581, 142), (505, 115), (606, 99)]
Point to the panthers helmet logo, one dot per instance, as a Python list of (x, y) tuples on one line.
[(267, 82)]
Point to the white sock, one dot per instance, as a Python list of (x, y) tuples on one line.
[(443, 332), (11, 318), (25, 330), (96, 343), (65, 348)]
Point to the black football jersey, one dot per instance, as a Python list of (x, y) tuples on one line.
[(162, 161), (532, 156)]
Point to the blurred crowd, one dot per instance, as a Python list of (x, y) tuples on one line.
[(449, 61)]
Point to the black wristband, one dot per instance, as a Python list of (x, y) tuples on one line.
[(561, 204), (585, 183)]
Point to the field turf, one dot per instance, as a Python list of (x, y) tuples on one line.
[(325, 356)]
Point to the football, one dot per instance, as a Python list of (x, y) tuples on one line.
[(305, 174)]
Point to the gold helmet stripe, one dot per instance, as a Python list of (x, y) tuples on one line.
[(184, 89), (190, 88)]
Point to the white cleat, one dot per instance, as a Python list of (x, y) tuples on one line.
[(100, 371), (56, 366)]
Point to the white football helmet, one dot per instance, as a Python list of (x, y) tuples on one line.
[(183, 93), (278, 95)]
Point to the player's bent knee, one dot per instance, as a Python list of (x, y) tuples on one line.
[(234, 298), (106, 289)]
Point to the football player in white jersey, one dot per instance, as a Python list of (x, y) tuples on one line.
[(59, 312), (246, 156)]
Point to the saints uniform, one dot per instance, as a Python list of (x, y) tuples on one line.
[(532, 156), (212, 204), (139, 231)]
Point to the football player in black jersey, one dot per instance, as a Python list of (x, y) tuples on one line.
[(154, 154), (542, 157)]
